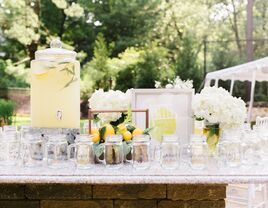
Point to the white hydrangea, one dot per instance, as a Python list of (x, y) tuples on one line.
[(111, 100), (177, 83), (61, 4), (169, 86), (75, 10), (216, 105), (157, 84), (180, 84)]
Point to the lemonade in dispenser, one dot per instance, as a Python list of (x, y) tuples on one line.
[(55, 88)]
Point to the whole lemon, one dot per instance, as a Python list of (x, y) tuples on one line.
[(108, 131), (96, 137), (122, 128), (137, 132), (94, 130), (127, 136)]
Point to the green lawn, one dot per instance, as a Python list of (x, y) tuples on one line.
[(20, 120)]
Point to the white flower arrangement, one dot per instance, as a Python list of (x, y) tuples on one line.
[(177, 83), (110, 100), (217, 106)]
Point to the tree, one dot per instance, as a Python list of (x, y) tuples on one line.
[(23, 26), (186, 64), (126, 23), (154, 66), (97, 73)]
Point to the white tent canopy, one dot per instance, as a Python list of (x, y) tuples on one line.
[(252, 71)]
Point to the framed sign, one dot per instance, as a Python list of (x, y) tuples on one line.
[(170, 111)]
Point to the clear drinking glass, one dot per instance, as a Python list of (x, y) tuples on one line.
[(230, 151), (263, 136), (10, 146), (141, 152), (195, 153), (24, 130), (83, 151), (113, 153), (170, 152), (85, 128), (9, 128), (57, 151), (32, 150), (251, 149)]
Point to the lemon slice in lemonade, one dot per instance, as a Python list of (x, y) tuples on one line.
[(40, 73)]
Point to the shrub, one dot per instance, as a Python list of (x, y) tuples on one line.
[(7, 111)]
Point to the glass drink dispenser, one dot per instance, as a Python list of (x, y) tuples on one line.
[(55, 88)]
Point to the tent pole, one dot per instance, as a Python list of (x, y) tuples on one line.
[(251, 96), (207, 82), (232, 86), (216, 83)]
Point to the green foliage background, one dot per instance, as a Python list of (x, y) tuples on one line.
[(7, 111), (123, 44)]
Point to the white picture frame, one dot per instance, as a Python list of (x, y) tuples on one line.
[(168, 103)]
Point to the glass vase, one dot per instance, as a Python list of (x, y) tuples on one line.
[(212, 133)]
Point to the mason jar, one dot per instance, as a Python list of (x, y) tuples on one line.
[(263, 139), (25, 130), (230, 151), (83, 152), (9, 128), (195, 153), (10, 147), (251, 149), (141, 152), (32, 150), (113, 152), (57, 151), (170, 152)]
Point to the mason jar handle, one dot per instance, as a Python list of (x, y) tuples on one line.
[(184, 149), (157, 153), (99, 150), (69, 149)]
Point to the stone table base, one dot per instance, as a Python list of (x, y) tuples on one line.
[(112, 196)]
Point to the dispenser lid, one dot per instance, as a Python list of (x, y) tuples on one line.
[(55, 50)]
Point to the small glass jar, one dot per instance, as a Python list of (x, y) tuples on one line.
[(141, 152), (32, 150), (263, 140), (57, 151), (24, 130), (195, 153), (9, 128), (251, 149), (10, 146), (113, 153), (170, 152), (230, 149), (83, 151)]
